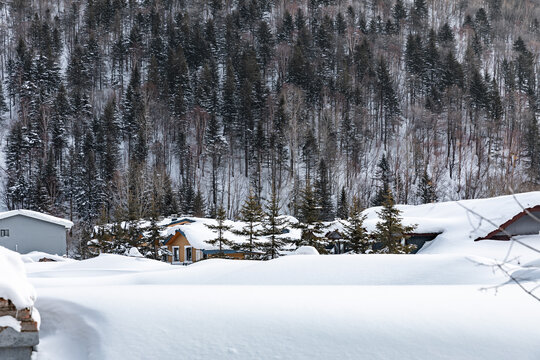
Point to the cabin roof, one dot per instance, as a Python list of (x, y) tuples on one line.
[(523, 213), (38, 216)]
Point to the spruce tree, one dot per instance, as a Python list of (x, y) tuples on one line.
[(389, 232), (342, 205), (153, 235), (426, 189), (383, 176), (274, 226), (355, 234), (399, 13), (313, 230), (220, 228), (252, 214), (323, 192), (199, 207)]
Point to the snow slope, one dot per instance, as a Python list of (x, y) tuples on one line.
[(461, 222), (295, 307)]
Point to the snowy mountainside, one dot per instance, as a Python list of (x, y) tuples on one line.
[(114, 110)]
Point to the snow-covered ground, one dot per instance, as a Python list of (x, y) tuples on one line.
[(296, 307), (449, 301)]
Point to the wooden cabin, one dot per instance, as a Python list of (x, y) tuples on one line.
[(184, 250)]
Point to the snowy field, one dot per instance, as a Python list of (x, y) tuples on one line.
[(297, 307)]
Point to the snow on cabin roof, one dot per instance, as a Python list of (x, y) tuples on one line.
[(462, 220), (197, 233), (38, 216)]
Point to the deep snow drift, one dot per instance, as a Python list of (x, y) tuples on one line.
[(295, 307), (461, 222)]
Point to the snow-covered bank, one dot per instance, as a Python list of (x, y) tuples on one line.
[(296, 307), (283, 322)]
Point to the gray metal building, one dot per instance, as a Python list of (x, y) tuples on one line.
[(25, 231)]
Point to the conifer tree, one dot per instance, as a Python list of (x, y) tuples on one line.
[(134, 122), (399, 13), (323, 192), (384, 177), (221, 228), (153, 235), (387, 100), (252, 214), (342, 205), (274, 226), (426, 189), (199, 207), (355, 234), (313, 230), (389, 232)]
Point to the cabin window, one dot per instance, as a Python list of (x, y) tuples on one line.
[(176, 254), (4, 232), (198, 254), (189, 256)]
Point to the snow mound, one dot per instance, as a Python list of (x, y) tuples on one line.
[(13, 282), (331, 270), (104, 264), (306, 250), (36, 256), (134, 252)]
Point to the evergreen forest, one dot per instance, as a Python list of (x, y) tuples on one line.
[(125, 109)]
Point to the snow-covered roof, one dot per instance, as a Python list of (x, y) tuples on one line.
[(459, 221), (38, 216), (197, 232)]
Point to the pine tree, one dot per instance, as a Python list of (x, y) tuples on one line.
[(274, 227), (342, 205), (221, 228), (399, 13), (313, 230), (323, 192), (265, 44), (133, 118), (384, 177), (153, 236), (426, 189), (216, 147), (252, 214), (532, 148), (389, 232), (446, 36), (17, 185), (229, 107), (199, 207), (355, 234), (419, 14), (387, 99), (285, 31), (478, 91)]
